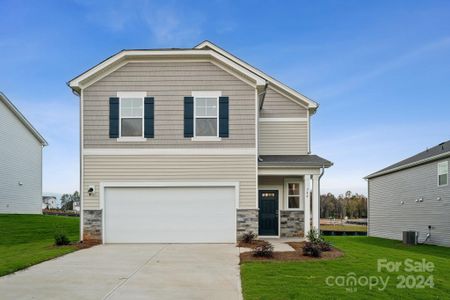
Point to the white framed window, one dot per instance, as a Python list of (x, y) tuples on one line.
[(293, 195), (206, 115), (131, 116), (442, 173)]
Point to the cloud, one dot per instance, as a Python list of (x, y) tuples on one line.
[(172, 26), (169, 24), (396, 62)]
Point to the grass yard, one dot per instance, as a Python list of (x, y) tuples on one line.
[(26, 240), (358, 228), (307, 280)]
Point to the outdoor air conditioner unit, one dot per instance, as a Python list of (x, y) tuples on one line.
[(410, 237)]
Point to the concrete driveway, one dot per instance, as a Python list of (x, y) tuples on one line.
[(147, 271)]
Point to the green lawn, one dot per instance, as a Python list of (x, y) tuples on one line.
[(307, 280), (26, 240), (358, 228)]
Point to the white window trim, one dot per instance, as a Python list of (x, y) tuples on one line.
[(206, 94), (300, 195), (131, 95), (438, 174)]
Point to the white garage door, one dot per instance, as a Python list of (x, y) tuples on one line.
[(170, 215)]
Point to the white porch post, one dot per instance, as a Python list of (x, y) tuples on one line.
[(315, 202), (307, 207)]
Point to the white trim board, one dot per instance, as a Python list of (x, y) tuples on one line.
[(283, 119), (288, 171), (178, 151), (77, 82)]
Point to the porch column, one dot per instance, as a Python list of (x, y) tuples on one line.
[(307, 215), (315, 202)]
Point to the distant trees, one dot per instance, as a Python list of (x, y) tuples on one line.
[(68, 199), (348, 205)]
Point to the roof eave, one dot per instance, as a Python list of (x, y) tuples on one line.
[(312, 105), (76, 83), (22, 119), (407, 166)]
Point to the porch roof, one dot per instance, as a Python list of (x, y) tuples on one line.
[(309, 161)]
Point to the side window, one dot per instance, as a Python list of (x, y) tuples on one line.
[(442, 173)]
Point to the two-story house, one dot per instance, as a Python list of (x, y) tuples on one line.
[(193, 145)]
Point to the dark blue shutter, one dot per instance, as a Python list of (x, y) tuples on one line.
[(149, 116), (223, 116), (114, 117), (188, 116)]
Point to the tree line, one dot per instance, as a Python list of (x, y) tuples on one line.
[(348, 205)]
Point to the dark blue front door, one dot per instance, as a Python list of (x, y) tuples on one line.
[(268, 212)]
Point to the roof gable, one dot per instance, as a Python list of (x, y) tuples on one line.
[(22, 119), (206, 50)]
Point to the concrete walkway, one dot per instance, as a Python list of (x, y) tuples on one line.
[(147, 271)]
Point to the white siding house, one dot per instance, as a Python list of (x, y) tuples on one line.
[(20, 162), (413, 194)]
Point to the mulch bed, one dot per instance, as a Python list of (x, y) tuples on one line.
[(291, 255), (251, 245), (78, 245)]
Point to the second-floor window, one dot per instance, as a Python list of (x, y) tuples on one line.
[(205, 116), (443, 173), (131, 117)]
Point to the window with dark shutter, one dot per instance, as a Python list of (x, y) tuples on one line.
[(149, 113), (223, 117), (114, 117), (188, 117)]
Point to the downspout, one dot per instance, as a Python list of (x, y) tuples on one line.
[(318, 191)]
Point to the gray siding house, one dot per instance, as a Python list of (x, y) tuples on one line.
[(193, 145), (20, 162), (412, 194)]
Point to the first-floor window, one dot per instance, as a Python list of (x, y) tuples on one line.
[(131, 117), (205, 113), (293, 195), (443, 173)]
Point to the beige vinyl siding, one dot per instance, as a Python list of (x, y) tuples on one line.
[(169, 82), (283, 138), (388, 218), (278, 106), (228, 168)]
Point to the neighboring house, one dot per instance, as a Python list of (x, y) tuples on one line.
[(412, 194), (76, 206), (20, 162), (49, 202), (193, 145)]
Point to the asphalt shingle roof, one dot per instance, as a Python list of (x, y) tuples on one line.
[(293, 161), (440, 149)]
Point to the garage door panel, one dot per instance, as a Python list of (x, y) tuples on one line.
[(170, 215)]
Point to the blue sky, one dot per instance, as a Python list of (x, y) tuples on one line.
[(379, 69)]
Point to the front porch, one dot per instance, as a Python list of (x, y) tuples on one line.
[(288, 203)]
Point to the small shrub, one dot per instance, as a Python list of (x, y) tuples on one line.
[(248, 237), (313, 236), (264, 250), (312, 249), (325, 245), (61, 239)]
